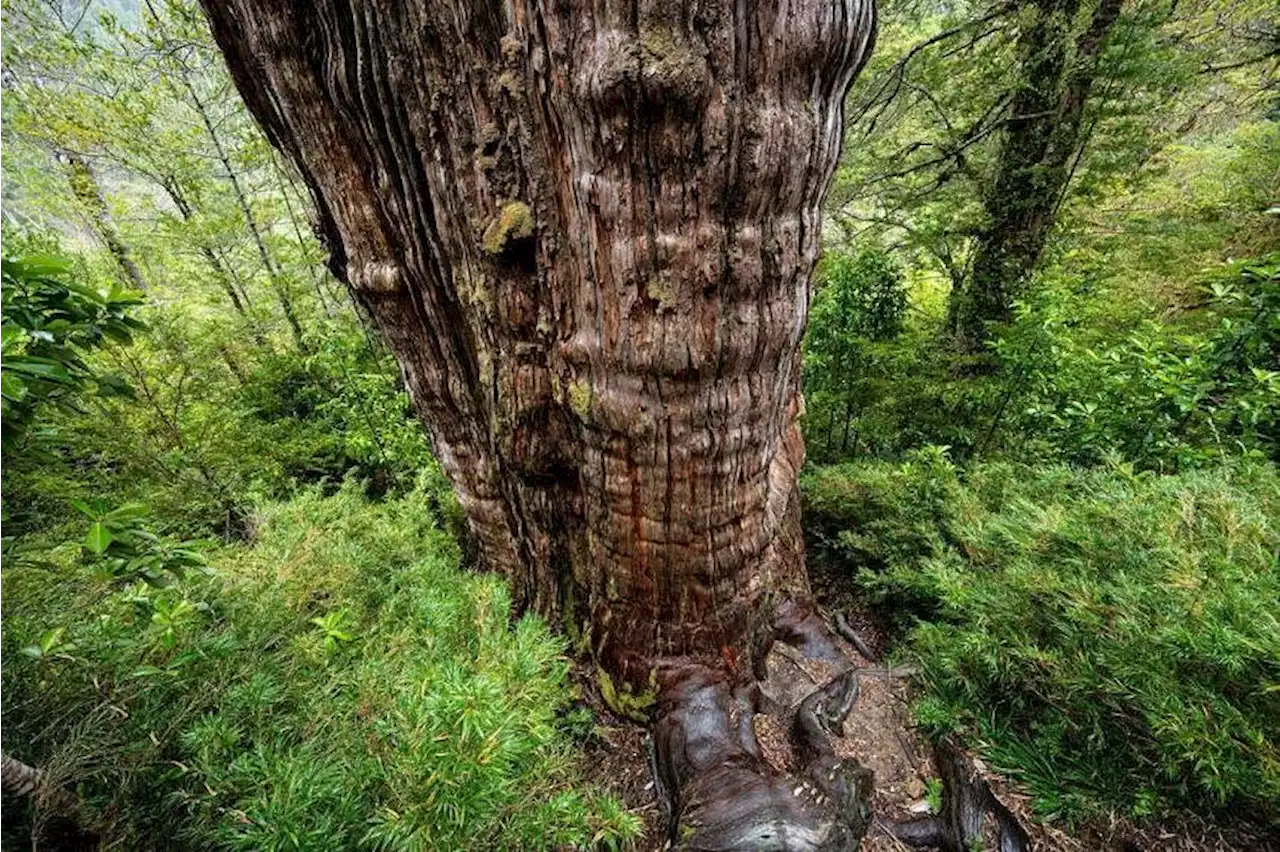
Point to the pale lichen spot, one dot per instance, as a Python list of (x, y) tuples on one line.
[(580, 398), (380, 276), (659, 289)]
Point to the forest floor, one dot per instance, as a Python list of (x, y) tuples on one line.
[(879, 733)]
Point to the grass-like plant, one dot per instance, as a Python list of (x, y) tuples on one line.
[(1109, 638), (339, 684)]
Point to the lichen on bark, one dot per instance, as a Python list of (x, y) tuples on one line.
[(513, 222)]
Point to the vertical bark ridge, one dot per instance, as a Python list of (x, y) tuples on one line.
[(586, 230)]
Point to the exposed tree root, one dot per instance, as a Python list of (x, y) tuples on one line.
[(718, 791), (22, 780), (17, 778), (851, 636), (968, 802)]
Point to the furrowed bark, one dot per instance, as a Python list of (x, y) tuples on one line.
[(586, 232)]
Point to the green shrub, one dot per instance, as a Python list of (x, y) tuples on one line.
[(49, 324), (1109, 638), (859, 305), (198, 444), (1165, 395), (868, 517), (338, 684), (337, 409)]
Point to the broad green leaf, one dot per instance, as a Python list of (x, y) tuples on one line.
[(11, 338), (51, 639), (13, 387), (41, 266), (128, 511), (40, 369), (99, 538)]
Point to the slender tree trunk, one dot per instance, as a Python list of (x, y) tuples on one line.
[(237, 298), (251, 222), (234, 366), (85, 188), (848, 421), (1040, 142), (831, 431)]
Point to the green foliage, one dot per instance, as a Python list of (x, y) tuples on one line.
[(869, 517), (197, 442), (1101, 633), (339, 684), (933, 794), (1083, 371), (119, 544), (927, 117), (1107, 637), (1160, 394), (49, 324), (859, 303), (342, 407)]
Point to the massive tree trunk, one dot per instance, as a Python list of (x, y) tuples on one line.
[(1039, 147), (586, 231)]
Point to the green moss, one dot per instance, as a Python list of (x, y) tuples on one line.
[(576, 633), (580, 398), (623, 701), (514, 222), (669, 58), (659, 42)]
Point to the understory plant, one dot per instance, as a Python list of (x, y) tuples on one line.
[(1107, 637), (338, 684)]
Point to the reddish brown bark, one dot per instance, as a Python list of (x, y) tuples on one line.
[(586, 230)]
